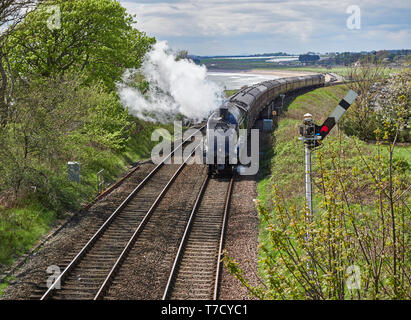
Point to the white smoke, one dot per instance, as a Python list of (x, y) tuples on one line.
[(176, 87)]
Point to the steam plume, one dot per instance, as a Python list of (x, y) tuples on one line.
[(176, 87)]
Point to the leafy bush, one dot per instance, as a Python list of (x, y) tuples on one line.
[(56, 120), (20, 228), (383, 104), (360, 225)]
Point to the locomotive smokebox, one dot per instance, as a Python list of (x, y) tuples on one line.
[(223, 112)]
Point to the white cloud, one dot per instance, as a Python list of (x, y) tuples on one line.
[(296, 21), (211, 18)]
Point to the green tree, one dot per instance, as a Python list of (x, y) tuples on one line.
[(361, 118), (96, 38), (393, 107), (12, 12)]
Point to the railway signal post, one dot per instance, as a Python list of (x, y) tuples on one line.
[(311, 134), (310, 141)]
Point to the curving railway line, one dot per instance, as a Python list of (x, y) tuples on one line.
[(165, 240)]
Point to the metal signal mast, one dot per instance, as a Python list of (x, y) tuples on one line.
[(311, 134)]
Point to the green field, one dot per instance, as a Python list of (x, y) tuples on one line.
[(342, 71)]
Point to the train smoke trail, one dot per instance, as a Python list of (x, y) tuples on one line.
[(176, 87)]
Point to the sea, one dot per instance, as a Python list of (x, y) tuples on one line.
[(236, 80)]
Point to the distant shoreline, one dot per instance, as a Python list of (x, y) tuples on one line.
[(281, 73)]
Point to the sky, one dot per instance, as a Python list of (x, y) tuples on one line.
[(237, 27)]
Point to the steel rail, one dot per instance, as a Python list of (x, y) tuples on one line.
[(174, 270), (183, 242), (110, 219), (136, 233), (223, 227)]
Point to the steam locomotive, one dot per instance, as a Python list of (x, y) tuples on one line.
[(241, 111)]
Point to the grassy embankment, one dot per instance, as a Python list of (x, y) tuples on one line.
[(283, 161), (23, 225)]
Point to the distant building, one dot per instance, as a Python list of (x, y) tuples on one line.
[(307, 58)]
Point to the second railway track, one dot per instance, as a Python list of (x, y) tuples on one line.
[(196, 269)]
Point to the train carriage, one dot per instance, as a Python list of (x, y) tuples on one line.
[(244, 107)]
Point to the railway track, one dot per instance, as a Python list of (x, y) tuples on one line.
[(89, 273), (144, 272), (196, 268), (150, 235)]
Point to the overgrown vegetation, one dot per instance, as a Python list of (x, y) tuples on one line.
[(383, 104), (356, 247), (58, 104)]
